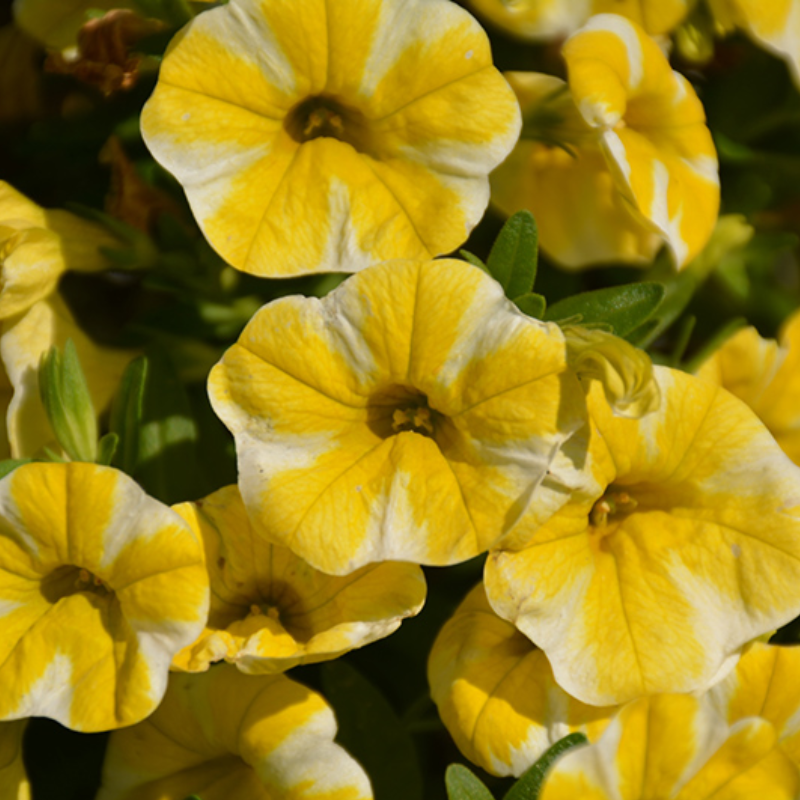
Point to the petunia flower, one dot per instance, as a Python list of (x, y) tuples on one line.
[(100, 586), (635, 160), (223, 735), (496, 693), (24, 339), (543, 20), (419, 425), (686, 549), (675, 747), (14, 784), (765, 374), (332, 136), (271, 611), (764, 684), (775, 26)]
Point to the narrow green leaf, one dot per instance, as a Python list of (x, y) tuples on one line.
[(621, 308), (531, 304), (682, 342), (371, 731), (126, 414), (10, 464), (530, 783), (463, 784), (514, 257), (474, 260), (715, 342), (106, 448)]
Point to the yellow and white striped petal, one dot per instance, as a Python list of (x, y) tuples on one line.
[(14, 784), (544, 20), (774, 25), (765, 374), (496, 693), (764, 684), (676, 747), (271, 611), (224, 735), (23, 341), (100, 586), (687, 549), (651, 128), (332, 136), (582, 217), (425, 412)]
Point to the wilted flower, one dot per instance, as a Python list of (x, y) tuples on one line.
[(271, 611), (686, 549), (496, 693), (423, 419), (675, 747), (332, 136), (765, 374), (227, 735), (100, 586)]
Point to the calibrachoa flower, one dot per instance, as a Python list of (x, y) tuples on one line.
[(271, 611), (775, 26), (676, 747), (24, 339), (650, 126), (765, 374), (419, 424), (551, 19), (764, 684), (496, 693), (687, 548), (14, 783), (100, 586), (223, 735), (332, 136), (559, 172)]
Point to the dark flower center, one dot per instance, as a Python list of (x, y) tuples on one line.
[(322, 116)]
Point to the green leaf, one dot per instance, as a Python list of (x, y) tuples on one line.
[(463, 784), (10, 464), (515, 254), (621, 308), (126, 414), (530, 783), (715, 342), (531, 304), (68, 403), (106, 448), (474, 260), (371, 731)]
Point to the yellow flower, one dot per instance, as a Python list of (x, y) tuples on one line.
[(418, 425), (38, 245), (23, 341), (687, 548), (774, 25), (558, 172), (551, 19), (496, 693), (224, 735), (675, 747), (55, 23), (643, 164), (331, 137), (271, 611), (765, 374), (14, 783), (764, 684), (100, 586)]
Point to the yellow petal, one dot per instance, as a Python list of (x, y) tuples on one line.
[(332, 138), (693, 522), (271, 611), (496, 693), (426, 412), (100, 585), (226, 735)]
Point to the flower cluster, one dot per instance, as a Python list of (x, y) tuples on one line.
[(635, 525)]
